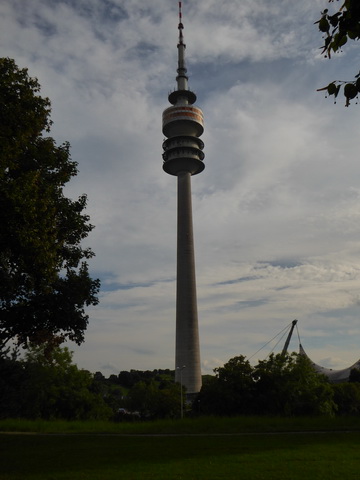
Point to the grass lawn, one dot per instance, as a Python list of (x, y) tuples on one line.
[(205, 425), (305, 456)]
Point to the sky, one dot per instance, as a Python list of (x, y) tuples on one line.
[(276, 210)]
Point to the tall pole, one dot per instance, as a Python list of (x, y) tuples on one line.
[(286, 346), (183, 124)]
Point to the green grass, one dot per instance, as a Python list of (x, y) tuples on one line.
[(250, 456), (206, 448), (188, 425)]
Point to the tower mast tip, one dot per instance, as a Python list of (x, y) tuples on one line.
[(181, 26)]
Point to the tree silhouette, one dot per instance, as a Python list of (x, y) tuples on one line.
[(44, 279)]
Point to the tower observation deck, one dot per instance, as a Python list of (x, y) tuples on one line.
[(183, 122), (182, 125)]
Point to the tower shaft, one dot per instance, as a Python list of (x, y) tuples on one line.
[(182, 125), (187, 333)]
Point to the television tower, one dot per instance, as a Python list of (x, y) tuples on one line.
[(182, 125)]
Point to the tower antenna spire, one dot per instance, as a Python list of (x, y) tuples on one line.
[(181, 26), (182, 78)]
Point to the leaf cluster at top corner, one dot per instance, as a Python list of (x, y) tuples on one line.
[(340, 26)]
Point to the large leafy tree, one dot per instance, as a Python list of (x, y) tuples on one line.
[(338, 28), (231, 391), (44, 279), (289, 385)]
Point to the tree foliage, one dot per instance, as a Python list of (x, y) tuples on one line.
[(137, 393), (155, 400), (347, 398), (288, 384), (44, 278), (46, 384), (338, 28), (279, 385)]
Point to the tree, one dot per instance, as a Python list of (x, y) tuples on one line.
[(154, 400), (347, 398), (354, 376), (58, 388), (289, 385), (44, 279), (12, 388), (231, 391), (46, 384), (338, 28)]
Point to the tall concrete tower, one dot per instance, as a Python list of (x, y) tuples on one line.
[(183, 124)]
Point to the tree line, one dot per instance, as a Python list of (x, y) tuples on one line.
[(46, 384), (282, 384)]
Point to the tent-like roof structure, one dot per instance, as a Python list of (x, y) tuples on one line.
[(334, 376)]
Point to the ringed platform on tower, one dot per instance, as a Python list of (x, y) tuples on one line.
[(182, 123)]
